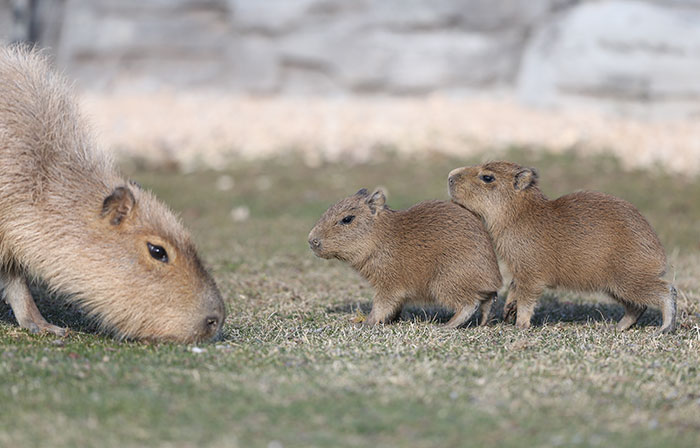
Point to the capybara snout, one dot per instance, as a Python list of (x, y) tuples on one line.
[(184, 300), (342, 232)]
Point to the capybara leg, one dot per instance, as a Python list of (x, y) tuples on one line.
[(462, 315), (524, 314), (383, 311), (510, 306), (521, 301), (668, 311), (632, 313), (19, 298), (485, 308)]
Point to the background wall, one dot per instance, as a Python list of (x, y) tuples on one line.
[(631, 58)]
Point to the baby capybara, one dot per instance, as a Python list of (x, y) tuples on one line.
[(585, 241), (433, 252)]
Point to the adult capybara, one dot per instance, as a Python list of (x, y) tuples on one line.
[(433, 252), (70, 220), (584, 241)]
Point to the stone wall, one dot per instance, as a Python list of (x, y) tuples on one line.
[(629, 57)]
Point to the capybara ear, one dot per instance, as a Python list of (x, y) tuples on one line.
[(376, 201), (525, 178), (118, 205), (362, 192)]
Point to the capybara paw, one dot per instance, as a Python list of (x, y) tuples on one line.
[(53, 329), (47, 328), (509, 312), (523, 325), (368, 323), (623, 325), (666, 330)]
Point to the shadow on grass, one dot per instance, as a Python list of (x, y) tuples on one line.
[(56, 309), (410, 313), (549, 311)]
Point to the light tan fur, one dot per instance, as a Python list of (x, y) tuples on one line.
[(585, 241), (433, 252), (69, 219)]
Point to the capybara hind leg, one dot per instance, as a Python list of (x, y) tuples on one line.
[(632, 313), (668, 310), (462, 315), (383, 311), (485, 308), (19, 298)]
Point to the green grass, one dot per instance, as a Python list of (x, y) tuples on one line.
[(293, 369)]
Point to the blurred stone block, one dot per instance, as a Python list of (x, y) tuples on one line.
[(625, 53)]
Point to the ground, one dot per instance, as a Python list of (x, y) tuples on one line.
[(292, 369)]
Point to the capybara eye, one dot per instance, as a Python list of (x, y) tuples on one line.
[(348, 219), (158, 252), (486, 178)]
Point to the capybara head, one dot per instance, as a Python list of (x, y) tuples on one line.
[(158, 287), (490, 189), (344, 230)]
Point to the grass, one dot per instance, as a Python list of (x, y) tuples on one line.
[(292, 369)]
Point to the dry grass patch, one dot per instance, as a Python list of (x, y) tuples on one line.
[(293, 369)]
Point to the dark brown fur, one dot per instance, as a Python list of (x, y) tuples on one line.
[(585, 241), (434, 252)]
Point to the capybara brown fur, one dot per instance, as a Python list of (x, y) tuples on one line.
[(584, 241), (69, 219), (434, 252)]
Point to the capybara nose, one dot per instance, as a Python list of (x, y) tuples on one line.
[(452, 178), (314, 243), (454, 173), (452, 182)]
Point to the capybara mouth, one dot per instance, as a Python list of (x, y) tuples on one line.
[(316, 247), (320, 253), (455, 201)]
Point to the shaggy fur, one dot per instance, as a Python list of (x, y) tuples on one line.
[(585, 241), (433, 252), (68, 218)]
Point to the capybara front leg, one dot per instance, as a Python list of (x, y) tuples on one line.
[(19, 298), (485, 307), (384, 310), (510, 306), (632, 313), (463, 315)]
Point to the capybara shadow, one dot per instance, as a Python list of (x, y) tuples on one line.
[(550, 310), (57, 309), (409, 313)]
